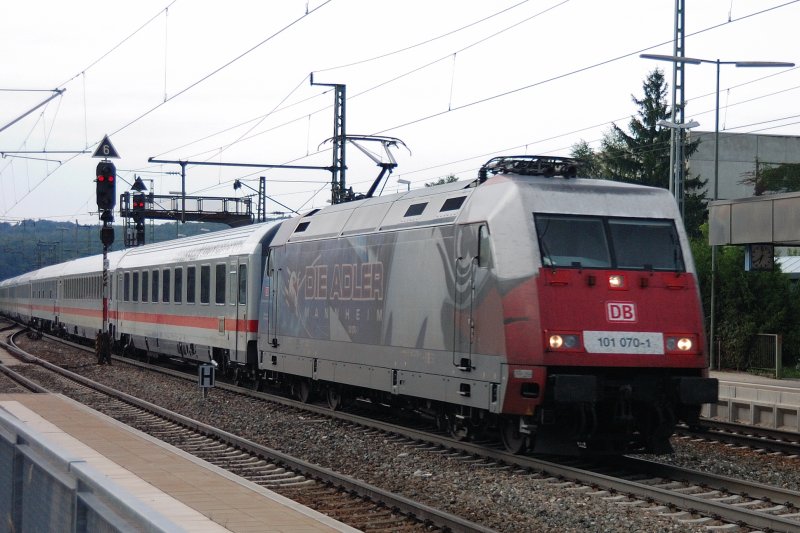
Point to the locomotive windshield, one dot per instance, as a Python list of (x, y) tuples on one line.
[(573, 241)]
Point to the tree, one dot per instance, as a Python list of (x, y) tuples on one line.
[(589, 165), (642, 154), (447, 179)]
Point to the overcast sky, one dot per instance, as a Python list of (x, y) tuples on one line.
[(193, 80)]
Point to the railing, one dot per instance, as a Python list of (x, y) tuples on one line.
[(766, 354), (44, 488)]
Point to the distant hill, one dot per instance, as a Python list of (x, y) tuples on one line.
[(32, 244)]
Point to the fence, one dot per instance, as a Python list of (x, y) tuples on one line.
[(766, 354)]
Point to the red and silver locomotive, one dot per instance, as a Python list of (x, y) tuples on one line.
[(562, 313)]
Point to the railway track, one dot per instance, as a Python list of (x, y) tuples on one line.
[(688, 496), (345, 499), (754, 437)]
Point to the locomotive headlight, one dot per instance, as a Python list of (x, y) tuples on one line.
[(556, 341), (616, 281), (563, 342), (679, 344)]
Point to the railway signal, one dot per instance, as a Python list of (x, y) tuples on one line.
[(106, 185), (106, 191)]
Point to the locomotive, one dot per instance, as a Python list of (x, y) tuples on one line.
[(560, 314)]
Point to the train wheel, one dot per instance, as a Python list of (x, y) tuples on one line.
[(334, 398), (456, 427), (302, 390), (237, 376), (514, 441)]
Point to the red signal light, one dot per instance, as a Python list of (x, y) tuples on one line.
[(111, 178), (101, 178)]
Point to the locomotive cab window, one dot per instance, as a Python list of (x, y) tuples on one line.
[(576, 241)]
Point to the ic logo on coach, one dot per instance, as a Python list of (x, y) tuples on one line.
[(621, 311)]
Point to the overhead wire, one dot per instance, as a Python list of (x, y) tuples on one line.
[(422, 43), (354, 96), (528, 86), (226, 65), (184, 90), (573, 72)]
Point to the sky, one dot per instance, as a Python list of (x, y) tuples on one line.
[(458, 81)]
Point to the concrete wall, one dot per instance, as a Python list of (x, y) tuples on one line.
[(737, 156)]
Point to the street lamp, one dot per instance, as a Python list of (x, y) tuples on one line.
[(739, 64), (676, 180)]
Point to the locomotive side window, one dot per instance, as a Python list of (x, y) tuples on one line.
[(178, 294), (646, 244), (572, 241), (205, 284), (165, 286), (135, 296), (484, 247), (219, 278), (190, 284), (242, 284), (126, 291), (415, 209)]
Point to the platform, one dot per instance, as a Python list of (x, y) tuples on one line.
[(757, 401), (177, 491)]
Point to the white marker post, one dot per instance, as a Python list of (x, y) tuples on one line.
[(205, 378)]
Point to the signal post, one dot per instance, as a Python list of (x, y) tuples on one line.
[(106, 192)]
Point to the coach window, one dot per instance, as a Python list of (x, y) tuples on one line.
[(191, 284), (219, 286), (178, 294), (155, 286), (135, 295), (242, 284), (165, 286), (205, 284), (145, 286), (126, 291), (484, 247)]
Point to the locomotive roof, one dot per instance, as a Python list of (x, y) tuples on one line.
[(468, 202), (429, 206), (206, 246)]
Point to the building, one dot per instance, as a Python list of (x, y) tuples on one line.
[(738, 153)]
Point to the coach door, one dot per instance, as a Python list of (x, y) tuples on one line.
[(272, 285), (237, 297)]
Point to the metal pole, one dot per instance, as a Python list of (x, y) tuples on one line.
[(713, 246), (183, 192)]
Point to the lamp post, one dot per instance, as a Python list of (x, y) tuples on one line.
[(738, 64), (676, 183)]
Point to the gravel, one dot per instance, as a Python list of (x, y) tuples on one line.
[(498, 497)]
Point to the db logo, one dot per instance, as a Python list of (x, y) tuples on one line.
[(621, 311)]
